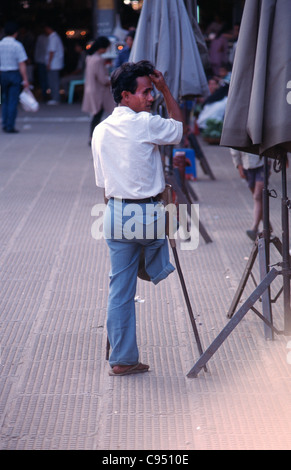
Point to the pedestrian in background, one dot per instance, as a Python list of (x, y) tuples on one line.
[(251, 168), (218, 52), (54, 62), (78, 72), (97, 95), (13, 73), (123, 56), (40, 61)]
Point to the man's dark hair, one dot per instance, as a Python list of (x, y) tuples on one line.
[(124, 78), (10, 28)]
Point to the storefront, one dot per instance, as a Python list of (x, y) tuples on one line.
[(100, 16), (229, 11)]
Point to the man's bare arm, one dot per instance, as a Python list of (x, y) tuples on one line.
[(23, 72), (172, 106), (51, 55)]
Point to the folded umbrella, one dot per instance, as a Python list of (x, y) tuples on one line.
[(165, 37), (258, 112)]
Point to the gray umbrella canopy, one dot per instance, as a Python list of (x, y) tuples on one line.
[(258, 112), (165, 37)]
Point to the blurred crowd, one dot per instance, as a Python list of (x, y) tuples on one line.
[(40, 59), (221, 43), (54, 61), (68, 58), (51, 60), (220, 40)]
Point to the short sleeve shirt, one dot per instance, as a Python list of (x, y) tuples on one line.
[(247, 160), (55, 45), (126, 155), (12, 53)]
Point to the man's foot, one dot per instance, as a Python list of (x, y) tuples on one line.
[(126, 370), (11, 131), (52, 103)]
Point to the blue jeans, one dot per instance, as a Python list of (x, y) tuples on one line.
[(53, 77), (10, 90), (42, 78), (124, 258)]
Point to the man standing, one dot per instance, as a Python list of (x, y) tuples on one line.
[(54, 63), (40, 62), (128, 166), (13, 72)]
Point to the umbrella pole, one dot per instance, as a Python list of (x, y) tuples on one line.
[(264, 251), (285, 244), (266, 210)]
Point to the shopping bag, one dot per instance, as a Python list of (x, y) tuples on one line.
[(28, 101)]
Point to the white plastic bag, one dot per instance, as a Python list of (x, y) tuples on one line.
[(28, 101), (214, 110)]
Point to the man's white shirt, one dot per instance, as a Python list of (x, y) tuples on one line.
[(12, 53), (55, 45), (126, 155)]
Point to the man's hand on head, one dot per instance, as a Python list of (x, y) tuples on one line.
[(172, 106), (158, 80)]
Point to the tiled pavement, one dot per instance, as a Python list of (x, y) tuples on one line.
[(55, 392)]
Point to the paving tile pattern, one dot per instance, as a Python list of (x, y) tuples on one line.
[(55, 392)]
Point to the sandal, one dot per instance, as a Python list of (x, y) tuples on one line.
[(126, 370)]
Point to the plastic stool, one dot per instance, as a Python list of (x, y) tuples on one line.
[(73, 83), (190, 155)]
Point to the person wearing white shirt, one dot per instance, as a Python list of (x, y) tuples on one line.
[(40, 52), (128, 166), (54, 63), (13, 74)]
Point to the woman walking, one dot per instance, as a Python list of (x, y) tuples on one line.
[(97, 95)]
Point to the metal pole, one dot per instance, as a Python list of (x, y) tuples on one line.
[(285, 244), (266, 210), (187, 300), (264, 251), (195, 9), (191, 7)]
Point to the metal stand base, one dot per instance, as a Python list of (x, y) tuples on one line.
[(259, 248), (236, 319), (267, 277)]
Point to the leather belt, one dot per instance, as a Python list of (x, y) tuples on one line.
[(147, 200)]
